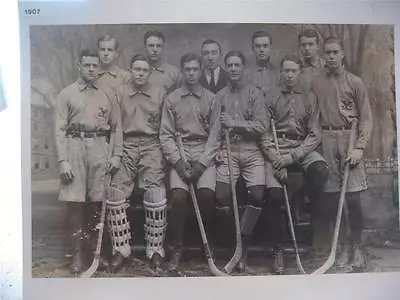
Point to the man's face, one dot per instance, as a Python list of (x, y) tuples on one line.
[(107, 52), (191, 72), (308, 47), (262, 48), (289, 73), (89, 68), (333, 55), (210, 54), (140, 72), (154, 48), (234, 67)]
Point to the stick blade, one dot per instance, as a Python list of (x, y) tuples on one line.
[(234, 261), (92, 269), (214, 270), (326, 266)]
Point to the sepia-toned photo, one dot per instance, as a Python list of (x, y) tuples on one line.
[(190, 150)]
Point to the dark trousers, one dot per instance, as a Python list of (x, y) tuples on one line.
[(82, 218), (326, 210), (180, 205), (315, 177)]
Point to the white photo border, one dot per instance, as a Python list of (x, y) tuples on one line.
[(350, 286)]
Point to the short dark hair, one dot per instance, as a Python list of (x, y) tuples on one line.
[(106, 38), (189, 57), (88, 53), (308, 33), (261, 33), (210, 41), (235, 53), (333, 40), (138, 57), (155, 33), (291, 57)]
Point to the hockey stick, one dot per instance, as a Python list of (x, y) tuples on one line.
[(238, 251), (213, 268), (332, 255), (287, 204), (107, 180)]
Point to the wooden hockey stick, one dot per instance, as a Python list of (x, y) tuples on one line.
[(332, 255), (213, 268), (107, 180), (239, 250), (287, 204)]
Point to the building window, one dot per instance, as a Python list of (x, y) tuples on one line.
[(46, 144), (36, 166), (35, 143), (47, 164)]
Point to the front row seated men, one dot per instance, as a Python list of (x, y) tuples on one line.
[(187, 111), (142, 158), (239, 109), (296, 116)]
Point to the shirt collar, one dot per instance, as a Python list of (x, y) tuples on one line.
[(266, 66), (216, 71), (159, 66), (195, 92), (338, 72), (83, 85), (296, 90), (316, 62), (112, 70), (239, 86), (133, 91)]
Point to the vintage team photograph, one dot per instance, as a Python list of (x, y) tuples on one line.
[(188, 150)]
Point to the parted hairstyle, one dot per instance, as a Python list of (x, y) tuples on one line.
[(291, 57), (189, 57), (138, 57), (106, 38), (87, 53), (261, 33), (235, 53), (211, 41), (308, 33), (333, 40), (155, 33)]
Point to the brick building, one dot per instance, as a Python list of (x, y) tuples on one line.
[(44, 163)]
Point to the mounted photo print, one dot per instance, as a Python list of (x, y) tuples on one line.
[(175, 148)]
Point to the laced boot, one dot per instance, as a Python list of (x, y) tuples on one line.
[(175, 258), (359, 262), (278, 266)]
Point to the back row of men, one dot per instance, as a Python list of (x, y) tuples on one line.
[(312, 102)]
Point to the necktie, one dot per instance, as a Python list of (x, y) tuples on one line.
[(212, 81)]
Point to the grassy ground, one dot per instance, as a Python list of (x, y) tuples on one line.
[(49, 244)]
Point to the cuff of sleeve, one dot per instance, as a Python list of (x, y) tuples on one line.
[(297, 155), (205, 162), (117, 151), (62, 157), (360, 145), (174, 159)]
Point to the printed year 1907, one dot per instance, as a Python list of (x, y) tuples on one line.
[(32, 11)]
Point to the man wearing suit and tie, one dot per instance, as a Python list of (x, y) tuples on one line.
[(213, 77)]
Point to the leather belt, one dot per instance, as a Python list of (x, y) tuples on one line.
[(87, 134), (289, 136), (336, 128)]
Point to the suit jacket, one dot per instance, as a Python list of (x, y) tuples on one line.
[(222, 81)]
